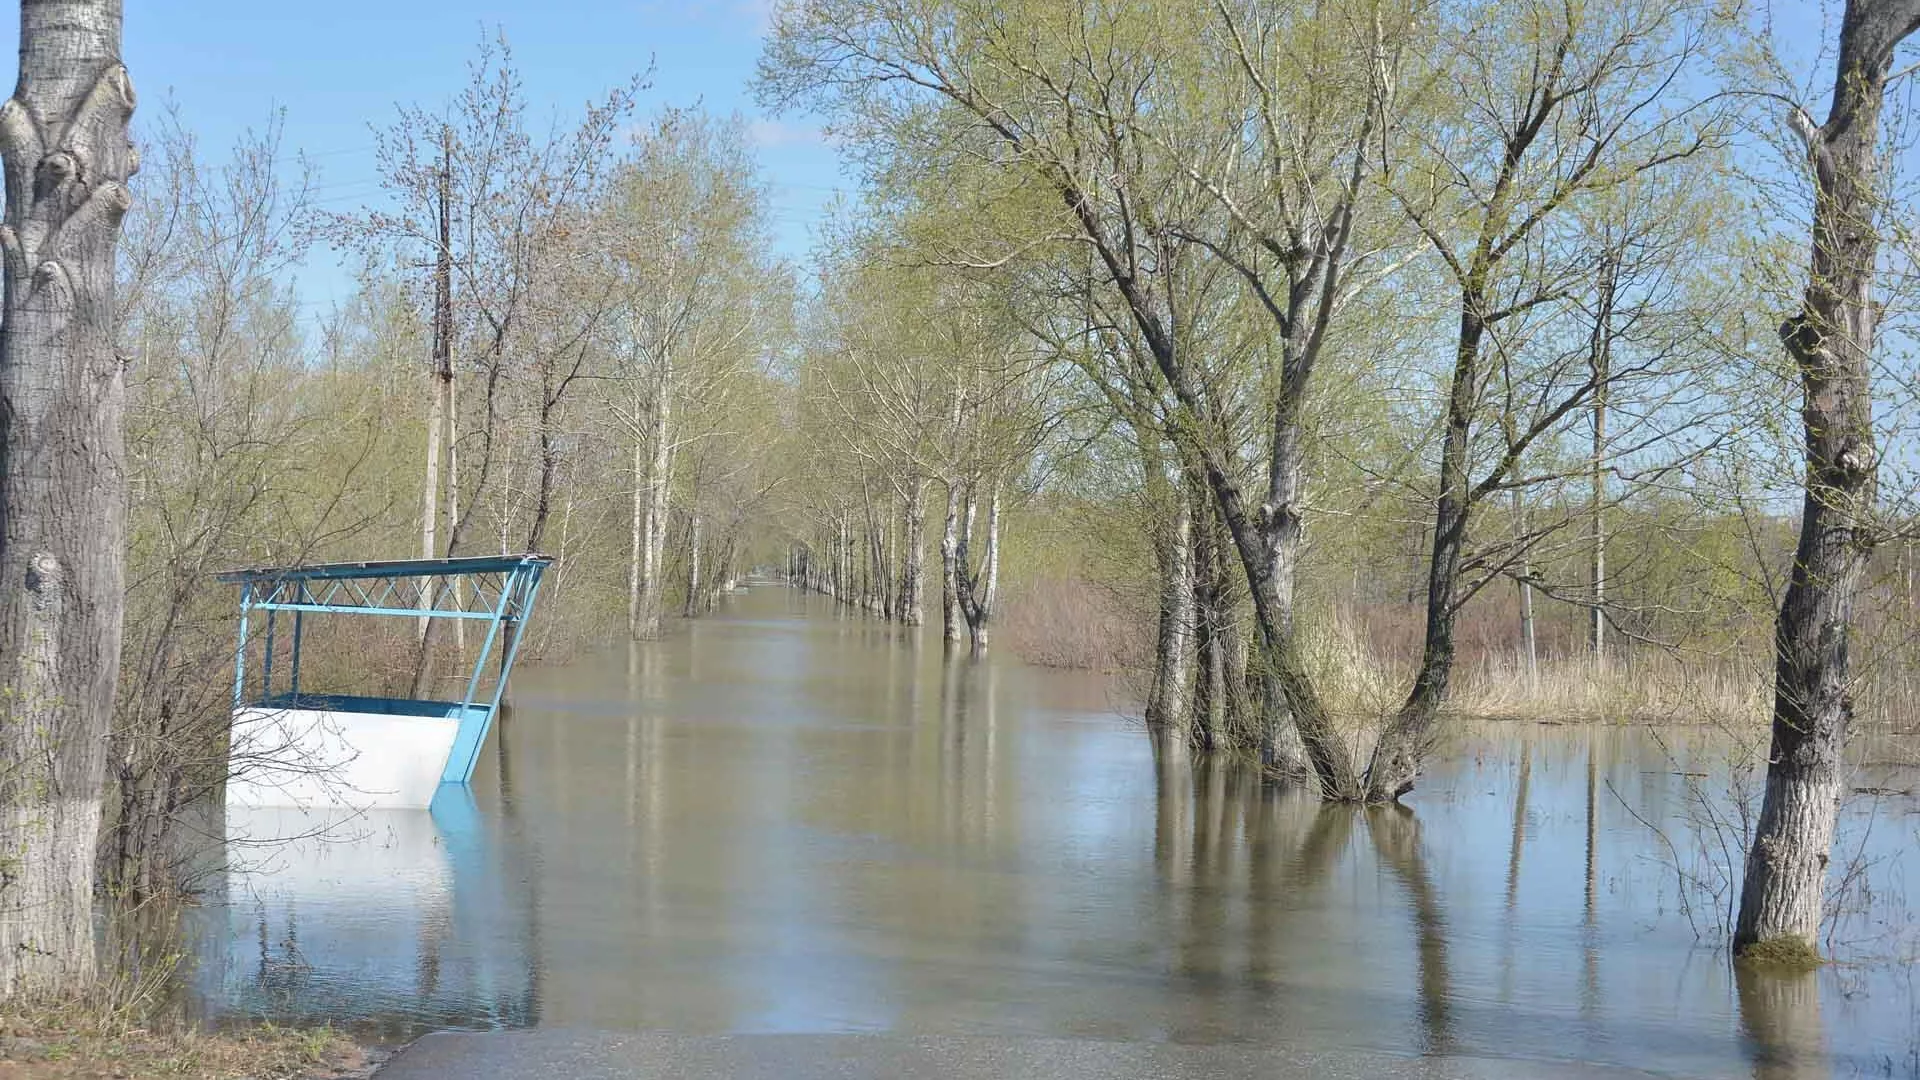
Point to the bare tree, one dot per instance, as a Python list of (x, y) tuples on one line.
[(1830, 341), (1574, 105), (486, 204)]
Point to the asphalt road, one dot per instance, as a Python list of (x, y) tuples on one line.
[(586, 1055)]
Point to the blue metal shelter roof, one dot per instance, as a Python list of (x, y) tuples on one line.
[(472, 564)]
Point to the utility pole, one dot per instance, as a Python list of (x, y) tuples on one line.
[(442, 360), (440, 415)]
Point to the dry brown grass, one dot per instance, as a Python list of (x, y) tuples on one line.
[(1649, 687), (1644, 686), (1067, 622), (1363, 658), (80, 1042), (1362, 683)]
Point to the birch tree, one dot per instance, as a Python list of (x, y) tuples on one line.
[(685, 231)]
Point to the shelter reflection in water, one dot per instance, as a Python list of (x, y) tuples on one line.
[(385, 922)]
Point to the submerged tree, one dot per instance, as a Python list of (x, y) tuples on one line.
[(1831, 343), (683, 232), (1574, 106), (1084, 110)]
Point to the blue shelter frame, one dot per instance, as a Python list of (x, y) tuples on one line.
[(498, 590)]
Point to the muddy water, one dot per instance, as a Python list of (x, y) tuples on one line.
[(785, 819)]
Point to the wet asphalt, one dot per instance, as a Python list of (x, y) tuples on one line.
[(558, 1054)]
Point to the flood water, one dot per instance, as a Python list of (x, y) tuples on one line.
[(788, 819)]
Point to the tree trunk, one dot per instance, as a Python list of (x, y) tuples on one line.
[(889, 559), (63, 489), (913, 569), (1529, 640), (489, 425), (1172, 656), (862, 566), (636, 537), (1403, 745), (693, 565), (452, 442), (873, 556), (1601, 363), (983, 593), (1831, 343), (949, 566), (1297, 733), (440, 390), (549, 466), (436, 451), (1209, 691), (1243, 719), (654, 532)]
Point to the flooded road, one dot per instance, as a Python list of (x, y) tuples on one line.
[(787, 819)]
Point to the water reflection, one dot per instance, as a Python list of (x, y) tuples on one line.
[(382, 921), (1780, 1017), (787, 820), (1395, 833)]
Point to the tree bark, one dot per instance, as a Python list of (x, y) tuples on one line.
[(1831, 343), (636, 537), (1601, 365), (889, 561), (1167, 701), (1243, 716), (949, 566), (549, 464), (984, 594), (1529, 639), (452, 442), (1296, 732), (63, 493), (436, 452), (694, 583), (653, 538), (440, 411), (913, 569), (1209, 690), (873, 556)]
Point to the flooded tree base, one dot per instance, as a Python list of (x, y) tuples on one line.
[(1783, 953)]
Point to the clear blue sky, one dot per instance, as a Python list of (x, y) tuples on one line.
[(338, 65)]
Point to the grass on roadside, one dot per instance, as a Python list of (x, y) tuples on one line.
[(57, 1042)]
